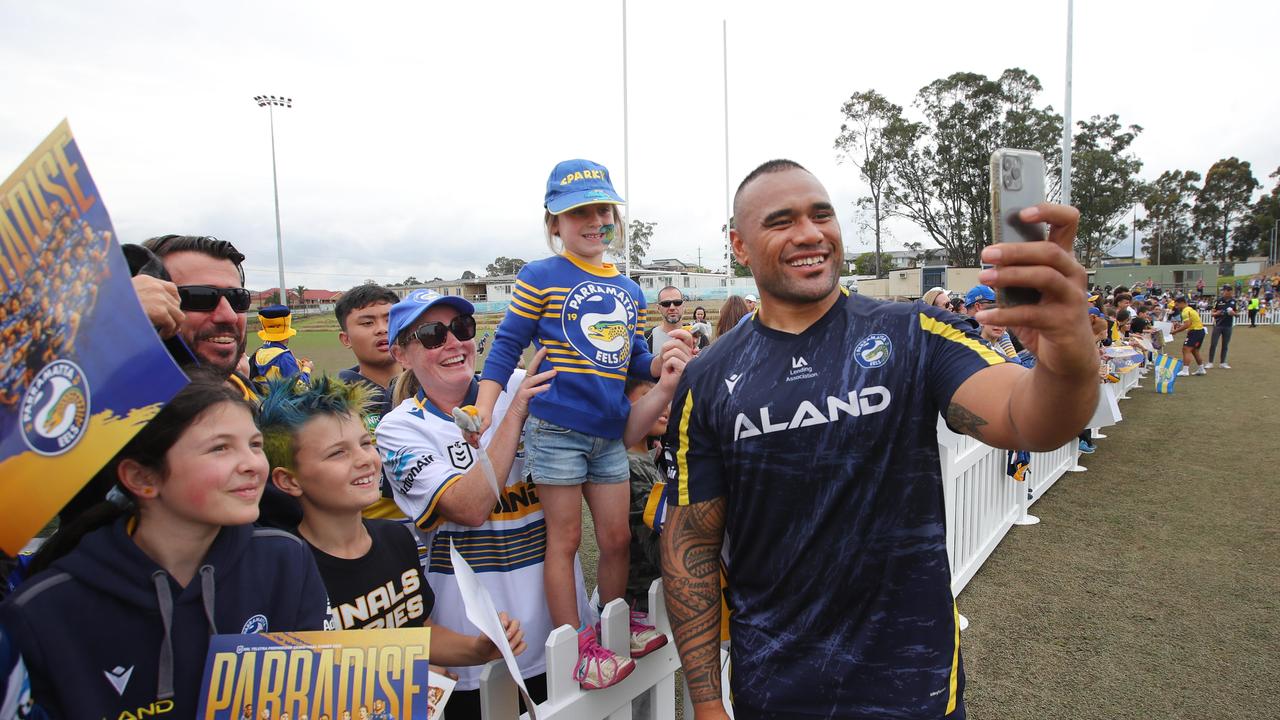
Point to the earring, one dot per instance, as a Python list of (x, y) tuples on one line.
[(147, 492)]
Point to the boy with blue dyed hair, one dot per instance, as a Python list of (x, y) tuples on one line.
[(321, 453)]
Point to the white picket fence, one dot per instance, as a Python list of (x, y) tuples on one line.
[(982, 504), (653, 678), (1265, 317)]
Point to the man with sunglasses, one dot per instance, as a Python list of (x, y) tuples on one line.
[(671, 308), (210, 284)]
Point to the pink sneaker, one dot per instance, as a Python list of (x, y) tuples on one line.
[(598, 667), (644, 638)]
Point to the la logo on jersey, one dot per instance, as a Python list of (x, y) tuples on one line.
[(800, 370), (119, 676), (599, 321)]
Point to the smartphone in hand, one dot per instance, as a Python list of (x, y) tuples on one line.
[(1017, 182)]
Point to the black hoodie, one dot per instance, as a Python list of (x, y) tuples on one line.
[(107, 633)]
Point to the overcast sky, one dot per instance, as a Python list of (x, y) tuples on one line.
[(423, 132)]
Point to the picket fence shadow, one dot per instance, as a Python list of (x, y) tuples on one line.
[(982, 504)]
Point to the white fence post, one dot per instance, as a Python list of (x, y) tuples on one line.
[(653, 676), (1024, 500), (499, 697)]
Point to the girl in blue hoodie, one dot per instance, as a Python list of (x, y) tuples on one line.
[(118, 624)]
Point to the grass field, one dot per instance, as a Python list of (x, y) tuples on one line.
[(1149, 589), (317, 339)]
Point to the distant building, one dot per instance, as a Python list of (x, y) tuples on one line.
[(311, 301), (669, 264), (473, 289), (1167, 277)]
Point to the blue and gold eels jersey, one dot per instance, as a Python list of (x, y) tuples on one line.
[(824, 445)]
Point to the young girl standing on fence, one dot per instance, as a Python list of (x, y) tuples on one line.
[(588, 317)]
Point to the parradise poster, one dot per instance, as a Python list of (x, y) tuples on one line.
[(341, 675), (81, 369)]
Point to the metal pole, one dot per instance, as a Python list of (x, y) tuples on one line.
[(1066, 116), (1135, 235), (728, 210), (275, 189), (626, 149)]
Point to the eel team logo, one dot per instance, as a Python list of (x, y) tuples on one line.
[(55, 408), (255, 624), (873, 351), (599, 322)]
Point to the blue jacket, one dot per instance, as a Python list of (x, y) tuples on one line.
[(106, 631)]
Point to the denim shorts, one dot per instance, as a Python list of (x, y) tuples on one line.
[(555, 455)]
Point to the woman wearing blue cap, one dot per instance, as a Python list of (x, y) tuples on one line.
[(586, 317), (443, 485)]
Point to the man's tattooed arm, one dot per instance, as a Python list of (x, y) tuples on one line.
[(963, 421), (691, 541)]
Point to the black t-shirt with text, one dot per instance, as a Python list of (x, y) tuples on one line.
[(1222, 308), (383, 589)]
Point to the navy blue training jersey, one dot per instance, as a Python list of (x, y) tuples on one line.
[(824, 445), (1223, 306)]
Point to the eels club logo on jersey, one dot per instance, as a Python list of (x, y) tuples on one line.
[(256, 624), (873, 351), (55, 408), (599, 321)]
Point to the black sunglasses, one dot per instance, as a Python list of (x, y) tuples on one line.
[(204, 298), (670, 303), (433, 334)]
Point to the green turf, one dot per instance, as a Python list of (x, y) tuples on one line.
[(1149, 589), (317, 339)]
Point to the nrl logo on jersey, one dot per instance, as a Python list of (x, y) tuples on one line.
[(865, 402), (460, 455)]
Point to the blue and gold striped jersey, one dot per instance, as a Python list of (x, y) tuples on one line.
[(589, 319), (824, 445)]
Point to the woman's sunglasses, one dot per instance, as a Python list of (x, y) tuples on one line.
[(433, 334), (204, 298)]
